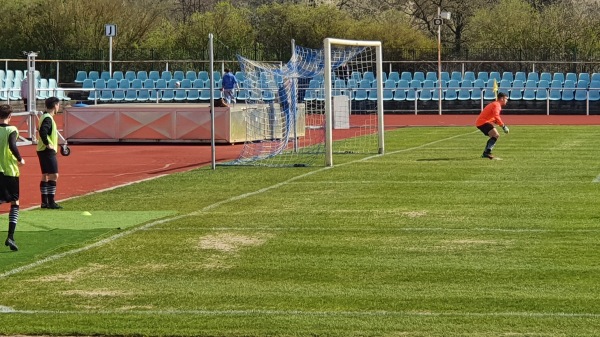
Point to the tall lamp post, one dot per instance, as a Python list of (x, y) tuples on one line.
[(438, 22)]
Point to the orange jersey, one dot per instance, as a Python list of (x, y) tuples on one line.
[(490, 114)]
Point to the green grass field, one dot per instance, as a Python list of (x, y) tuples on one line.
[(427, 240)]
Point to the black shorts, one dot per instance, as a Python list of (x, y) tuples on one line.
[(486, 128), (48, 162), (9, 188)]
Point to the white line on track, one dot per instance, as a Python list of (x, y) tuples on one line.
[(205, 209)]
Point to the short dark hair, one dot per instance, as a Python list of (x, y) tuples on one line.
[(5, 111), (501, 94), (227, 70), (51, 102)]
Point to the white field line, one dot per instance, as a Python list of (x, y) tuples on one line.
[(254, 312), (205, 209), (359, 229)]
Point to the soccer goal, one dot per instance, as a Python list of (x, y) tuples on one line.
[(322, 102)]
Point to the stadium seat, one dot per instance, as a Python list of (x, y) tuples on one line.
[(241, 94), (595, 77), (142, 75), (555, 90), (489, 93), (559, 77), (130, 75), (483, 75), (507, 76), (545, 76), (594, 91), (394, 76), (178, 75), (568, 91), (419, 76), (436, 91), (406, 75), (119, 95), (581, 90), (464, 93), (516, 89), (191, 75), (456, 75), (79, 78), (571, 77), (530, 90), (477, 91), (445, 76), (118, 75), (401, 89), (166, 75), (541, 93), (368, 75), (534, 76), (105, 75), (15, 92), (520, 76), (154, 75), (362, 92), (494, 75), (451, 93), (92, 75), (426, 90), (470, 76), (431, 76)]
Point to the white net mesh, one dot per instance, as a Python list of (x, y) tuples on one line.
[(284, 106)]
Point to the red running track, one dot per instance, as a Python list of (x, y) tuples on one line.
[(96, 167)]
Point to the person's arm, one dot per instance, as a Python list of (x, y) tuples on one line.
[(12, 145), (45, 130)]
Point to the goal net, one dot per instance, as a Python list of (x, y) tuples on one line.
[(297, 116)]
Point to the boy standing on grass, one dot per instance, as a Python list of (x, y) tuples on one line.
[(486, 120), (47, 143), (10, 160)]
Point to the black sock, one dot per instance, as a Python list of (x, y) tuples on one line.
[(51, 191), (489, 146), (44, 191)]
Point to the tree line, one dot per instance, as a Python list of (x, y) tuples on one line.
[(178, 29)]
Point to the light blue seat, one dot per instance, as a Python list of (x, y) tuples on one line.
[(456, 75), (595, 77), (507, 76), (436, 90), (570, 77), (79, 78), (106, 95), (545, 76), (594, 91), (516, 90), (445, 76), (520, 76), (362, 92), (495, 75), (166, 75), (105, 75), (401, 89), (191, 75), (15, 92), (504, 86), (419, 76), (489, 93), (477, 91), (142, 75), (412, 94), (130, 75), (555, 93), (179, 75), (118, 75), (93, 75), (203, 75), (470, 76), (581, 90), (119, 95), (193, 94), (168, 93), (541, 93), (426, 91), (451, 93), (431, 76), (394, 76), (369, 75), (154, 75), (339, 87), (464, 93), (534, 76), (205, 94), (355, 75), (268, 95), (568, 91), (239, 75), (41, 93), (406, 75), (559, 77), (483, 75), (181, 92), (530, 90)]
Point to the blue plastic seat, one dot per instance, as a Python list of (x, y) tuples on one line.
[(92, 75), (464, 93), (79, 78), (470, 76), (406, 75), (142, 75), (571, 77), (530, 90), (426, 93), (507, 76), (559, 77), (545, 76), (555, 93), (178, 75), (595, 77), (154, 75), (431, 76), (369, 75), (516, 90), (130, 75), (105, 75), (394, 76), (166, 75), (419, 76), (520, 76), (541, 93), (119, 94), (495, 75), (362, 92), (534, 76), (568, 91), (452, 89), (477, 91), (118, 75), (594, 91), (456, 75), (401, 89), (489, 93), (483, 75), (581, 90), (436, 91)]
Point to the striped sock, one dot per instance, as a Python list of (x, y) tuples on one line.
[(13, 218), (51, 191)]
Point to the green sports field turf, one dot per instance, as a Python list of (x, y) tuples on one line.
[(426, 240)]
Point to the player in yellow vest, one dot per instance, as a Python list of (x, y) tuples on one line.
[(10, 160), (47, 145)]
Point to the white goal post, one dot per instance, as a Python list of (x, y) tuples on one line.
[(327, 47)]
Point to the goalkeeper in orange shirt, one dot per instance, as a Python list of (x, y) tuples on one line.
[(486, 120)]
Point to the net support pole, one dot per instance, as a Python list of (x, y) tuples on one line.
[(212, 102)]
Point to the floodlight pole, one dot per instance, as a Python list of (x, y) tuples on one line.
[(212, 102), (439, 45)]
